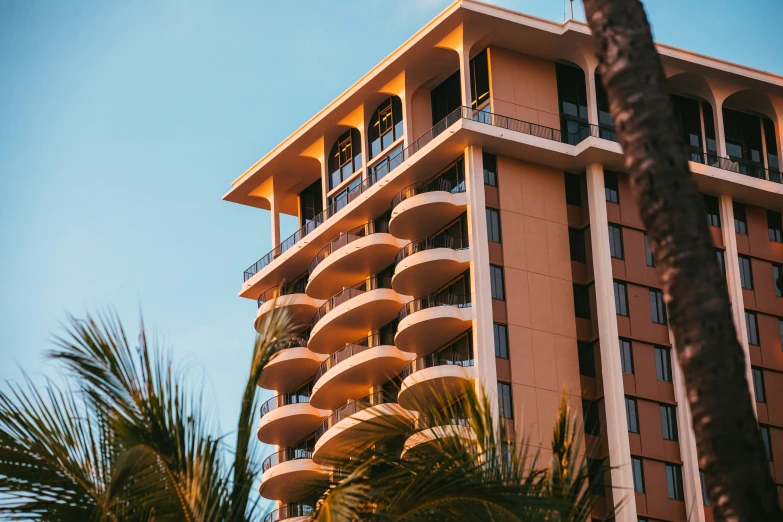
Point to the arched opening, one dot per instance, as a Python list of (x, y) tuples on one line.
[(751, 140), (694, 106), (572, 102), (385, 126), (345, 158)]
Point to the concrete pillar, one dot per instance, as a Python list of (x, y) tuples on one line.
[(734, 283), (694, 506), (720, 133), (483, 338), (614, 395), (592, 95), (274, 218), (464, 74)]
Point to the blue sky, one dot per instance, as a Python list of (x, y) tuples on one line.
[(123, 123)]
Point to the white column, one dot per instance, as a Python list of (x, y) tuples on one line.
[(592, 96), (734, 283), (720, 135), (694, 506), (464, 74), (483, 338), (614, 395)]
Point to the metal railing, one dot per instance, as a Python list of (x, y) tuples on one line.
[(285, 455), (297, 287), (374, 399), (447, 357), (284, 399), (345, 238), (354, 348), (425, 422), (586, 130), (422, 187), (433, 300), (430, 243), (504, 122), (372, 283), (289, 511), (740, 166), (367, 181)]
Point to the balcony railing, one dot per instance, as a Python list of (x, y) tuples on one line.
[(297, 287), (354, 348), (586, 130), (372, 227), (372, 283), (285, 399), (374, 399), (448, 357), (285, 455), (289, 511), (422, 187), (431, 301), (425, 422), (740, 166), (430, 243)]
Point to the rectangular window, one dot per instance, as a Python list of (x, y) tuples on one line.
[(767, 442), (648, 254), (576, 243), (620, 298), (479, 79), (611, 187), (758, 385), (581, 301), (615, 241), (505, 406), (638, 474), (595, 475), (573, 188), (674, 481), (780, 331), (775, 225), (496, 282), (657, 308), (777, 279), (721, 261), (626, 356), (713, 210), (500, 332), (702, 478), (586, 359), (631, 415), (663, 364), (668, 422), (490, 169), (740, 219), (493, 225), (752, 325), (746, 272), (590, 417)]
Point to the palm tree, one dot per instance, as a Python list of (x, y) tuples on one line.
[(132, 442), (730, 451)]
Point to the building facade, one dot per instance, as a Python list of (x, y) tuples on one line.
[(465, 221)]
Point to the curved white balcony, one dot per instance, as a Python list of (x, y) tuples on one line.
[(358, 425), (432, 321), (292, 297), (365, 250), (435, 378), (297, 512), (288, 418), (289, 474), (290, 367), (422, 208), (428, 432), (350, 314), (348, 373), (425, 265)]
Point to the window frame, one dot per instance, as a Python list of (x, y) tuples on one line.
[(591, 417), (586, 360), (616, 250), (776, 233), (626, 356), (663, 365), (759, 390), (746, 271), (577, 246), (389, 110), (648, 253), (712, 206), (675, 487), (490, 175), (740, 218), (766, 440), (631, 414), (621, 306), (637, 470), (501, 348), (657, 307), (612, 193), (505, 400), (497, 288), (669, 420), (777, 276), (752, 326), (493, 227)]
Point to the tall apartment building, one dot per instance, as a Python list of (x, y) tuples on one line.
[(465, 221)]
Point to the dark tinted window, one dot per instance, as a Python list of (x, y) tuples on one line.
[(446, 97), (505, 406), (496, 282), (385, 126), (663, 364), (746, 273), (611, 187), (573, 189), (620, 298), (713, 210), (590, 417), (705, 500), (626, 356), (721, 261), (479, 79), (493, 225), (657, 309), (668, 422), (586, 359), (766, 440), (581, 301), (604, 114), (777, 279), (576, 243), (773, 161), (638, 474), (740, 218), (595, 475), (758, 385), (648, 253), (752, 325), (631, 415), (490, 169), (572, 97), (674, 482), (686, 113), (500, 332), (775, 226), (615, 241), (345, 157), (311, 203)]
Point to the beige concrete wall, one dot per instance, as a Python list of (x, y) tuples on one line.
[(523, 87)]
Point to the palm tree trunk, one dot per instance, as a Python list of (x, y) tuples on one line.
[(729, 445)]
